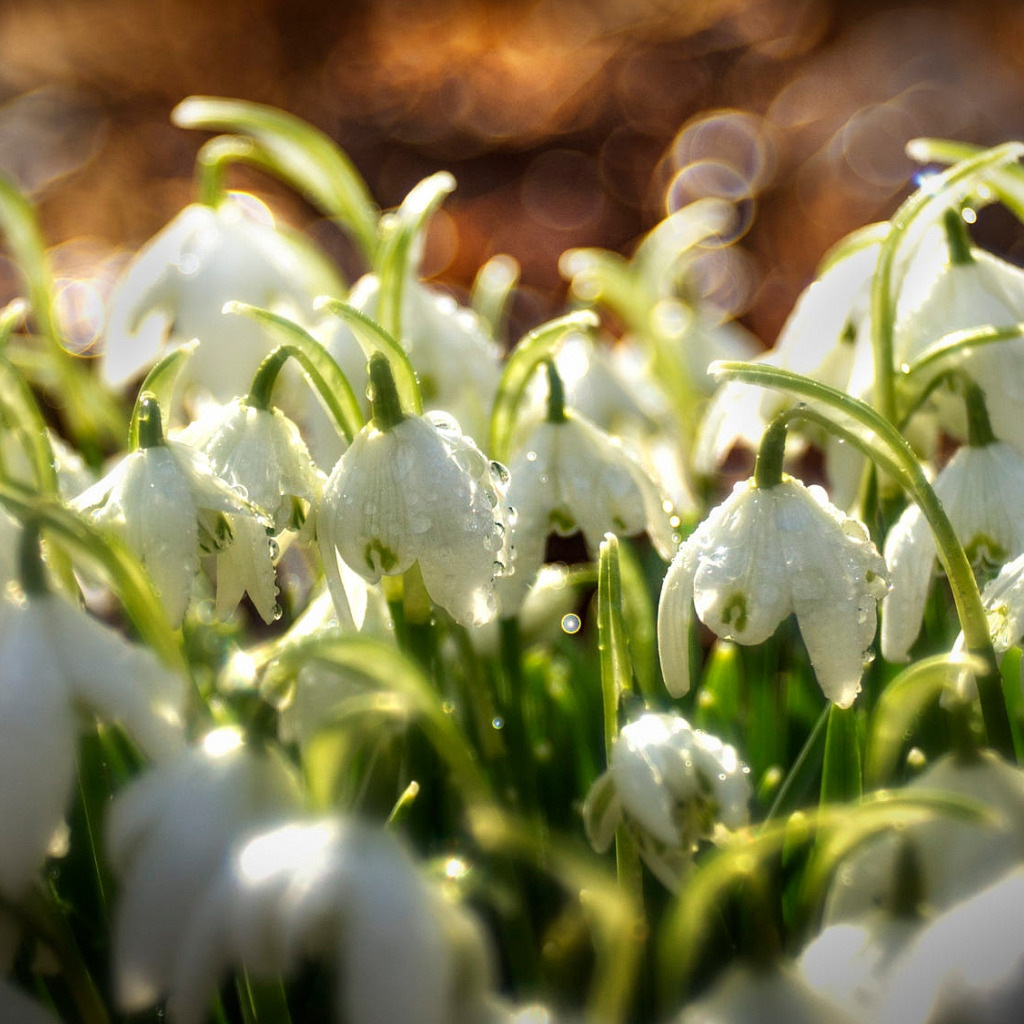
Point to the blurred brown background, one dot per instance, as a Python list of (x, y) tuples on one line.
[(566, 122)]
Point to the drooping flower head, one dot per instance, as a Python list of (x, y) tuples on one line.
[(766, 553), (415, 489)]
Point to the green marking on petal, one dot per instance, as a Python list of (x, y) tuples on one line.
[(215, 532), (562, 521), (736, 607), (983, 550), (379, 557)]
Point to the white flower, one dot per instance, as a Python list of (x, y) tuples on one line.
[(774, 994), (176, 287), (338, 890), (168, 836), (165, 503), (1003, 599), (420, 491), (570, 475), (982, 490), (262, 455), (967, 965), (57, 662), (675, 786), (955, 857), (850, 962), (761, 555)]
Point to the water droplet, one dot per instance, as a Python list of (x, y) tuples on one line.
[(531, 456), (276, 612), (498, 722), (498, 568), (188, 264), (371, 392), (275, 549), (448, 707), (571, 623), (500, 474)]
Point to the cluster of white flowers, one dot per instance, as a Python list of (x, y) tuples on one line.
[(368, 535)]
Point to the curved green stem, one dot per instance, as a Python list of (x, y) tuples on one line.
[(492, 288), (772, 452), (885, 440), (322, 371), (523, 360)]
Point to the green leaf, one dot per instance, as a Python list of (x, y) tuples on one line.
[(531, 350), (299, 154), (322, 371), (841, 779), (400, 231), (373, 338)]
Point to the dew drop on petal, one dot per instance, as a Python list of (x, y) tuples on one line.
[(531, 456), (276, 612), (500, 474), (498, 722), (275, 549)]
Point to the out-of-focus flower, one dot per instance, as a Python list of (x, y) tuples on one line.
[(420, 491), (16, 1006), (967, 965), (57, 662), (176, 287), (766, 553), (167, 504), (955, 857), (1003, 598), (168, 836), (982, 489), (262, 455), (341, 891), (772, 994), (850, 962), (674, 785)]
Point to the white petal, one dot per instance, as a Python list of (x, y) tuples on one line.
[(910, 554), (675, 616), (246, 566), (37, 746)]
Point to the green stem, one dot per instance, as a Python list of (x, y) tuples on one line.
[(891, 451), (771, 453), (385, 403), (262, 388), (151, 430), (616, 682), (556, 394), (213, 160), (31, 570), (979, 427), (958, 241)]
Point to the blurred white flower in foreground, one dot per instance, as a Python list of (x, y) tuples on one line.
[(761, 555), (345, 892), (676, 786), (955, 857), (982, 490), (167, 505), (418, 491), (56, 663), (168, 835), (967, 965), (772, 994), (176, 287)]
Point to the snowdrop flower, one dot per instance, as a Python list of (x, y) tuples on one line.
[(414, 489), (955, 857), (176, 287), (259, 452), (338, 890), (674, 785), (168, 835), (967, 965), (569, 475), (1003, 599), (56, 663), (166, 503), (772, 994), (767, 552), (982, 489)]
